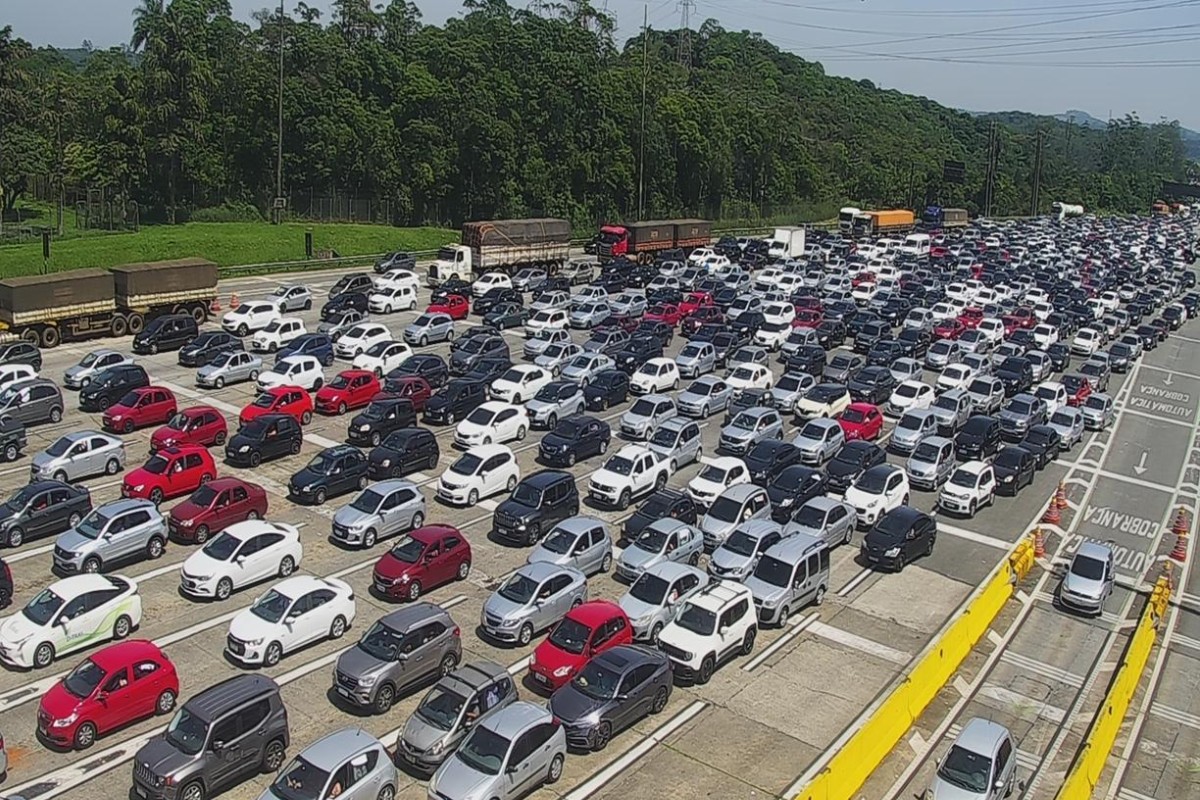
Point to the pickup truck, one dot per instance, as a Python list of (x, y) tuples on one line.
[(632, 472)]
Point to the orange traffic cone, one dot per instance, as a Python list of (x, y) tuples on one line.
[(1039, 542), (1060, 497), (233, 300), (1180, 526), (215, 308), (1180, 529), (1052, 516)]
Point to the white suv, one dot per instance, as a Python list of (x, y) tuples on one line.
[(715, 624)]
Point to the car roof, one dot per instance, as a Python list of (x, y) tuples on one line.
[(670, 570), (297, 585), (124, 504), (578, 524), (758, 528), (389, 486), (486, 451), (718, 594), (473, 676), (253, 527), (547, 477), (541, 570), (742, 491), (222, 697), (405, 617), (1096, 550), (974, 467), (331, 751), (981, 736), (513, 719), (80, 584), (75, 436), (595, 612), (119, 654)]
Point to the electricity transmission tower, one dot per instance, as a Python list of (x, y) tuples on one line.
[(685, 32)]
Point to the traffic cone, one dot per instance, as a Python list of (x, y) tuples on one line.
[(215, 308), (1179, 552), (1052, 516), (1039, 542), (1060, 497), (1180, 527), (233, 300)]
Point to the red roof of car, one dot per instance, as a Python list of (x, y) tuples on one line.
[(595, 612), (432, 533), (121, 653)]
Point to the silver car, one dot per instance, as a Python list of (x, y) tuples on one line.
[(291, 297), (704, 396), (737, 504), (505, 757), (986, 394), (952, 409), (582, 543), (233, 367), (550, 301), (535, 345), (799, 337), (554, 401), (819, 440), (658, 593), (1088, 582), (678, 441), (696, 358), (747, 355), (737, 556), (79, 455), (749, 427), (646, 414), (904, 369), (123, 530), (92, 364), (528, 278), (1068, 421), (383, 509), (825, 518), (931, 464), (913, 428), (663, 540), (790, 388), (943, 353), (533, 599), (341, 322), (1098, 412), (556, 356), (844, 366), (585, 366), (349, 764), (627, 304), (430, 328), (588, 315)]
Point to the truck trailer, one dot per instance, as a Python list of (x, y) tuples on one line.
[(81, 304), (892, 220), (1064, 210), (786, 243), (641, 241), (938, 218), (503, 245)]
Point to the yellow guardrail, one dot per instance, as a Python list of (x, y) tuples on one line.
[(1085, 773), (854, 762)]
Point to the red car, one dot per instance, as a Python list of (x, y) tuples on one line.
[(865, 276), (807, 318), (971, 317), (663, 312), (202, 426), (455, 305), (694, 301), (808, 301), (352, 388), (117, 685), (1024, 316), (413, 388), (150, 405), (949, 328), (214, 507), (422, 560), (861, 421), (701, 317), (290, 400), (585, 631), (1011, 323), (170, 472), (627, 324), (1078, 389)]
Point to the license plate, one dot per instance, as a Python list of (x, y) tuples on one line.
[(540, 678), (343, 692)]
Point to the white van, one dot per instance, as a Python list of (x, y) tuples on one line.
[(916, 244)]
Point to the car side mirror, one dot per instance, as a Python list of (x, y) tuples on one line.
[(511, 769), (102, 697), (289, 620), (724, 629), (218, 745), (239, 559)]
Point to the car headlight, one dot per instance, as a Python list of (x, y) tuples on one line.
[(364, 428), (405, 578), (787, 501), (187, 523), (116, 417), (562, 672), (139, 487), (892, 552), (369, 680), (253, 642), (65, 721), (387, 462), (437, 747), (1007, 479), (509, 623), (244, 448)]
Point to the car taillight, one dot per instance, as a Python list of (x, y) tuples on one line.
[(457, 632)]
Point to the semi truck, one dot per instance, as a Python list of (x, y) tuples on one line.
[(503, 245), (1064, 210), (786, 243), (847, 217), (81, 304), (936, 217), (641, 241)]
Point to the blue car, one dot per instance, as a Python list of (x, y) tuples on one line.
[(317, 345)]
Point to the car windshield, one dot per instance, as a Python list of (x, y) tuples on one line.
[(571, 636), (129, 399), (652, 540), (1021, 408), (810, 516), (741, 543), (300, 780), (527, 495), (1062, 418), (84, 679), (484, 751), (157, 465), (1010, 458), (1039, 436), (873, 481), (467, 464), (424, 320), (519, 588), (907, 390), (186, 732), (91, 526), (789, 383), (691, 351), (744, 374), (368, 501), (824, 394), (664, 437), (381, 642), (222, 548), (650, 589), (714, 473), (966, 770), (744, 422), (1087, 567), (441, 707), (980, 387), (265, 400), (596, 681), (59, 447), (41, 609), (697, 620), (725, 509), (927, 452), (963, 478), (643, 408), (911, 422), (851, 414), (272, 606)]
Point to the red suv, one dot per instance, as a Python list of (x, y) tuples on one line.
[(426, 558), (455, 305), (214, 507), (413, 388), (150, 405), (585, 631), (290, 400), (120, 684), (352, 388), (202, 426), (171, 472)]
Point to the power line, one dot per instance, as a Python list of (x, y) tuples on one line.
[(1059, 9)]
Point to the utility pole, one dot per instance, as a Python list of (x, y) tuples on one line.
[(990, 181), (642, 137), (1037, 173), (685, 33), (279, 142)]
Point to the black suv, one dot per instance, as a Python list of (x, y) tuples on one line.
[(494, 297), (111, 385), (340, 304), (334, 471), (202, 350), (43, 508), (872, 385), (660, 505), (371, 425), (537, 504), (638, 350), (456, 399), (168, 332), (428, 366), (354, 282), (870, 333), (607, 388), (1016, 373), (851, 461), (404, 451), (659, 330), (885, 351), (792, 488), (12, 438), (270, 436), (575, 437), (978, 439), (808, 358), (768, 458)]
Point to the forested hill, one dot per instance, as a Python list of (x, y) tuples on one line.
[(507, 112)]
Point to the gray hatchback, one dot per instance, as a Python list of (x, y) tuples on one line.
[(349, 764), (583, 543)]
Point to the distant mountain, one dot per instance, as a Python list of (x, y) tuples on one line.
[(1081, 118), (1025, 120)]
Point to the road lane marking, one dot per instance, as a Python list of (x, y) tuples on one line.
[(1175, 715), (1021, 703), (1130, 794), (24, 554), (860, 643), (1188, 641), (1173, 372), (972, 536), (797, 626), (853, 583), (1157, 418), (1045, 670)]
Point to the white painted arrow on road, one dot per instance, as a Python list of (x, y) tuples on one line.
[(1141, 465), (1167, 381)]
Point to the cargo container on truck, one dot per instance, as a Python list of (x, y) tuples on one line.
[(641, 241), (936, 217), (503, 245), (892, 220), (80, 304), (1064, 210), (786, 243)]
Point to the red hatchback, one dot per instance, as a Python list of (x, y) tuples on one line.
[(950, 328), (171, 472), (412, 388), (455, 305), (120, 684), (290, 400), (694, 301), (702, 316), (585, 631), (663, 312), (150, 405), (861, 421), (214, 507), (352, 388), (422, 560), (202, 426), (971, 317), (1078, 389), (807, 318)]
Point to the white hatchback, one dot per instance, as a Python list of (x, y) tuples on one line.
[(382, 357), (656, 375), (520, 383), (303, 371), (482, 471), (492, 422), (715, 477)]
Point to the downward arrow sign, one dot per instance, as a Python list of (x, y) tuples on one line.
[(1141, 465), (1167, 381)]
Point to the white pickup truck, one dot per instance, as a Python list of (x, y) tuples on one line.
[(632, 472)]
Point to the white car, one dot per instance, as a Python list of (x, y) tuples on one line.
[(494, 421), (955, 376), (715, 477), (779, 312), (520, 383), (772, 335), (1045, 335), (482, 471), (15, 373), (242, 554), (941, 312), (546, 319), (910, 395), (392, 298), (865, 292), (293, 613), (395, 278), (382, 357), (251, 316), (970, 488), (292, 296), (1053, 393), (699, 254), (992, 328), (68, 615), (656, 375), (490, 280), (1086, 342), (877, 491), (823, 400), (717, 623), (303, 371), (277, 334), (360, 338), (749, 376)]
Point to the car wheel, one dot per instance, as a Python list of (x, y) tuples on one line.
[(219, 383), (904, 502), (603, 736), (255, 460), (603, 446), (306, 418), (341, 409), (10, 452), (369, 539), (521, 434), (224, 589), (606, 562), (122, 627), (165, 703), (464, 570), (338, 629), (16, 536), (551, 422), (85, 736), (748, 642), (423, 341), (414, 590), (819, 598), (449, 662), (929, 547), (91, 565), (286, 566), (660, 700), (242, 330), (319, 497), (154, 548), (56, 413), (571, 459), (219, 439), (384, 699), (971, 509), (473, 497), (655, 631), (707, 666), (556, 770), (623, 500), (525, 635), (362, 482), (156, 496), (604, 404), (193, 791), (273, 654)]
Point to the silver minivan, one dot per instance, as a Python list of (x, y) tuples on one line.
[(931, 464), (78, 455), (533, 598), (123, 530), (791, 575), (383, 509), (32, 401), (349, 764), (678, 441), (582, 543)]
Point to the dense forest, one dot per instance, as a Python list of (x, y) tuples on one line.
[(510, 111)]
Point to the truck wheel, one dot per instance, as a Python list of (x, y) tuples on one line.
[(200, 314), (32, 336), (117, 327), (136, 323), (50, 337)]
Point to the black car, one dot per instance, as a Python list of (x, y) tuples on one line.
[(6, 584), (462, 337), (539, 502), (574, 438), (268, 437), (831, 333), (726, 343), (506, 315), (907, 533), (1060, 356), (1173, 316), (426, 365), (1014, 467), (914, 343), (340, 304), (768, 458), (1016, 373), (978, 439), (607, 388), (895, 309), (870, 333), (354, 282), (204, 349), (747, 323), (454, 401), (494, 297), (165, 333), (661, 331), (475, 349), (21, 353), (334, 471), (1023, 338), (855, 458), (660, 505), (403, 451), (591, 717), (638, 350), (723, 298), (1043, 442), (792, 488), (809, 359), (12, 438), (453, 285), (612, 282), (111, 385), (371, 426), (873, 384), (42, 508), (1149, 336), (487, 370), (397, 260)]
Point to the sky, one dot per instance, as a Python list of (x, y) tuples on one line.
[(1105, 57)]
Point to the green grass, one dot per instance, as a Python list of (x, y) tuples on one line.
[(226, 243)]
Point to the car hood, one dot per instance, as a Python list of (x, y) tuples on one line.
[(534, 406), (636, 609), (76, 370), (417, 732), (44, 460), (73, 541), (305, 476), (736, 434), (879, 541), (248, 627), (158, 756), (59, 703), (359, 663), (1007, 417), (569, 704), (349, 517), (728, 560), (391, 567), (806, 444), (239, 440), (1084, 587), (551, 657), (456, 779), (635, 558), (500, 606), (16, 628), (943, 790), (200, 563), (634, 420)]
